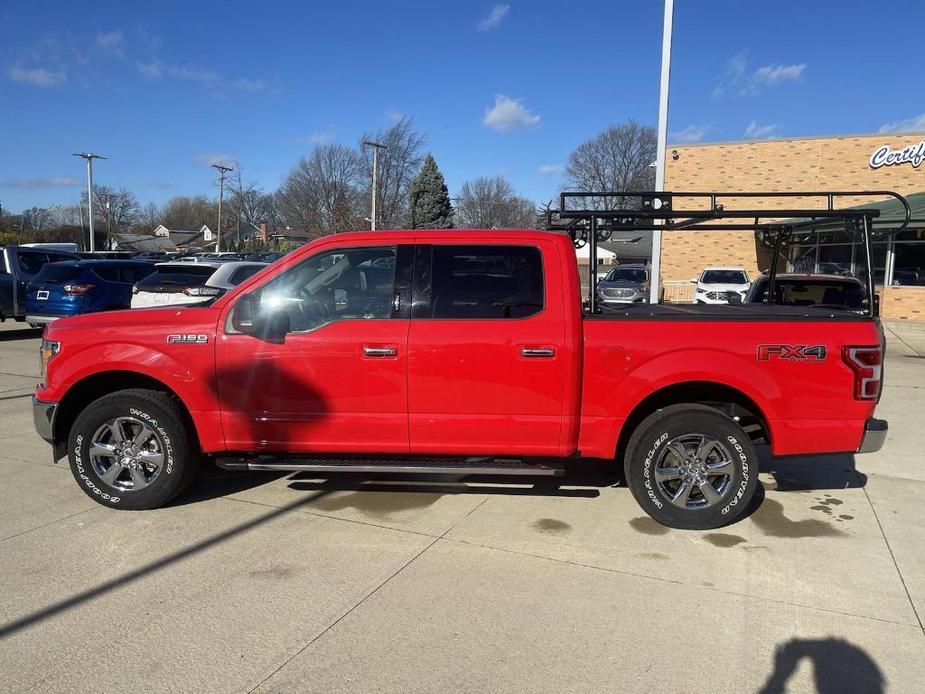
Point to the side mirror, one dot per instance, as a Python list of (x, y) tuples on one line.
[(876, 311), (267, 324), (694, 280)]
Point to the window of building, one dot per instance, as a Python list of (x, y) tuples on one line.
[(486, 281)]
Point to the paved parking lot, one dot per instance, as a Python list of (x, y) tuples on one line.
[(290, 583)]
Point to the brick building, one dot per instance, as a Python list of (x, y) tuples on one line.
[(866, 162)]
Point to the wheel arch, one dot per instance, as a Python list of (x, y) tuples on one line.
[(96, 386), (726, 399)]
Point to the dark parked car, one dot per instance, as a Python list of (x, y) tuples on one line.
[(82, 286), (827, 291), (624, 284), (18, 265)]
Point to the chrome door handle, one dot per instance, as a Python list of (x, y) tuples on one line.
[(538, 352), (379, 352)]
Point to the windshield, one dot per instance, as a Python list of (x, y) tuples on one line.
[(626, 274), (724, 277)]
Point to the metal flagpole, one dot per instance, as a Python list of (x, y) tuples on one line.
[(655, 274)]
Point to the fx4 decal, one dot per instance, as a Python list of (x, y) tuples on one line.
[(187, 339), (791, 352)]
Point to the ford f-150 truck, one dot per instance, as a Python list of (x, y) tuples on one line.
[(463, 352)]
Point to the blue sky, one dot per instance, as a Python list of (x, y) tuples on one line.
[(497, 88)]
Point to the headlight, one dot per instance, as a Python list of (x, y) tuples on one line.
[(48, 349)]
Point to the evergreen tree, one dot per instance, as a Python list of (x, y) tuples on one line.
[(429, 199)]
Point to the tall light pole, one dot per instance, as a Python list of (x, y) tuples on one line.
[(376, 147), (222, 170), (90, 156), (662, 138)]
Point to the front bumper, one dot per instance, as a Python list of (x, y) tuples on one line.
[(43, 416), (875, 431)]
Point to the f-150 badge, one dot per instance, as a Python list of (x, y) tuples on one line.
[(791, 352), (187, 339)]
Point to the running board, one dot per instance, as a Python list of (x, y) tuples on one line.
[(407, 465)]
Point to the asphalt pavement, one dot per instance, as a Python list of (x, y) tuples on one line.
[(281, 583)]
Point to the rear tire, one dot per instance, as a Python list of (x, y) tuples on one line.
[(691, 467), (133, 449)]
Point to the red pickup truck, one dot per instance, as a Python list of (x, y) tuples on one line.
[(463, 352)]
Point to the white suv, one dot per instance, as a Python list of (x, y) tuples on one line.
[(717, 285)]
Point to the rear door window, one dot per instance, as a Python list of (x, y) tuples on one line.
[(243, 273), (486, 282), (108, 273)]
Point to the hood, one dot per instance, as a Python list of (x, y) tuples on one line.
[(173, 319), (723, 287)]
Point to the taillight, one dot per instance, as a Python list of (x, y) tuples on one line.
[(202, 291), (77, 289), (867, 364)]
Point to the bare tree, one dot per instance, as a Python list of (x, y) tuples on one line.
[(36, 218), (189, 212), (398, 164), (321, 193), (117, 207), (492, 203), (618, 159), (147, 219), (246, 201)]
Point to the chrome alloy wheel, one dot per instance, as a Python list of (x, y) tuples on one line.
[(694, 471), (126, 454)]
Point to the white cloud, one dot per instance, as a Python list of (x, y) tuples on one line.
[(692, 133), (547, 169), (909, 125), (318, 137), (53, 182), (248, 85), (775, 74), (393, 115), (737, 78), (37, 77), (509, 114), (155, 69), (498, 13), (755, 131), (208, 159), (112, 42)]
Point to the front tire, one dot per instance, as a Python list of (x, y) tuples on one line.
[(133, 449), (691, 467)]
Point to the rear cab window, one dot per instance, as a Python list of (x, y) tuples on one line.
[(486, 282)]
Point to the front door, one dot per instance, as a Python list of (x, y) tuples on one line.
[(337, 383), (486, 363)]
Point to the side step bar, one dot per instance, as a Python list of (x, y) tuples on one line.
[(404, 466)]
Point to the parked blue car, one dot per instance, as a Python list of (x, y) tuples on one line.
[(82, 286)]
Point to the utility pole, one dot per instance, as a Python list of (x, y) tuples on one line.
[(90, 156), (376, 147), (662, 137), (222, 171)]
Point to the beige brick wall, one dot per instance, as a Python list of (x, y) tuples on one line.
[(902, 303), (833, 163)]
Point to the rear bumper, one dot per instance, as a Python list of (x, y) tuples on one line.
[(875, 431), (30, 318), (43, 416)]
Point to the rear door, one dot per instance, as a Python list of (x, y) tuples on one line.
[(486, 349)]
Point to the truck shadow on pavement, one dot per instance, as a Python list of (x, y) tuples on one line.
[(20, 334), (839, 667)]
